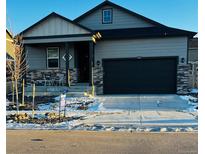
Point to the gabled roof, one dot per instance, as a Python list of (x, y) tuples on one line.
[(9, 57), (121, 8), (56, 15), (9, 44), (9, 33), (146, 32)]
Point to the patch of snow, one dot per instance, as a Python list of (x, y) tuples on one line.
[(63, 125), (192, 109), (177, 130), (57, 98), (188, 98), (10, 121), (139, 129), (78, 125), (110, 129), (194, 91), (122, 129), (189, 129), (192, 102), (39, 116), (147, 129), (71, 103), (45, 106), (96, 107), (8, 102)]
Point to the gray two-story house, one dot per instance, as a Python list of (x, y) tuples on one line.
[(121, 51)]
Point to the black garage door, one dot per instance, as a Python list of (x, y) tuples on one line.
[(140, 76)]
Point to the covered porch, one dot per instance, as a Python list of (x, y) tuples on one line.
[(59, 52), (59, 61)]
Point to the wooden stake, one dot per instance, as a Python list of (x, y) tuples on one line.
[(69, 78), (17, 97), (23, 93), (33, 103), (65, 109), (93, 86), (13, 91), (60, 109)]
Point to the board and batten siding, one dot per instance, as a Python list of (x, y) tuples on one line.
[(37, 56), (121, 19), (54, 26), (156, 47)]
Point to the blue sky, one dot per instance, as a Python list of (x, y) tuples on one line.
[(174, 13)]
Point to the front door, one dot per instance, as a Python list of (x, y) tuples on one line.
[(82, 52)]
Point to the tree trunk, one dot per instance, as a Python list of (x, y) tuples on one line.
[(13, 92), (17, 98)]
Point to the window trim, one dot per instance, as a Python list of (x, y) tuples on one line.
[(47, 58), (111, 10)]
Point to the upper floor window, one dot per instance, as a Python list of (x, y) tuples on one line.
[(53, 57), (107, 16)]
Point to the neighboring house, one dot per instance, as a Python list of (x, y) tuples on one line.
[(9, 46), (193, 61), (127, 52), (193, 50)]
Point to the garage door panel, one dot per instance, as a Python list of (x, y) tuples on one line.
[(140, 76)]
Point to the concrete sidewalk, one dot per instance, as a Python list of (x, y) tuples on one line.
[(144, 119)]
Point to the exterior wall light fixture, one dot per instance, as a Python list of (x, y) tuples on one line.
[(98, 63), (182, 60)]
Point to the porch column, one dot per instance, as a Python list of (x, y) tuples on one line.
[(67, 62), (91, 59)]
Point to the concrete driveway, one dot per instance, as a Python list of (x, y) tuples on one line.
[(145, 111), (144, 102)]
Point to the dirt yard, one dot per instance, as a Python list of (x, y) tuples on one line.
[(84, 142)]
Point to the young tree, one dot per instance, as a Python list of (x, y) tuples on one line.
[(19, 66), (10, 75)]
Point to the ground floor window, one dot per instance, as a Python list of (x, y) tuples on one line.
[(53, 57)]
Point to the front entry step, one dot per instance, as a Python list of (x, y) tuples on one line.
[(79, 87), (74, 90)]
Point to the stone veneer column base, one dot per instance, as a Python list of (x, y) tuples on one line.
[(74, 76), (98, 79), (182, 79), (42, 77)]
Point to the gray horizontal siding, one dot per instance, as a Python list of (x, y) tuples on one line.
[(55, 26), (37, 60), (141, 47), (36, 57), (121, 19)]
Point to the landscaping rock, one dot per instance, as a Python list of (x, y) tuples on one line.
[(163, 130), (82, 107), (177, 130)]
